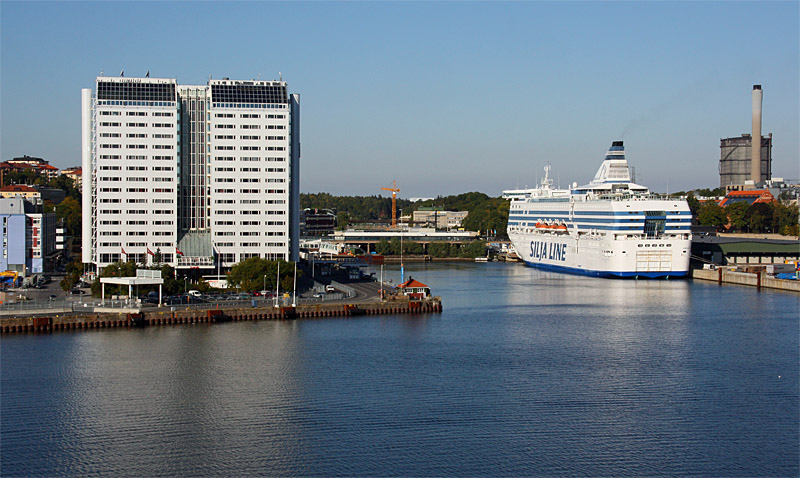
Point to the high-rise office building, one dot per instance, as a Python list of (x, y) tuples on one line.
[(198, 177)]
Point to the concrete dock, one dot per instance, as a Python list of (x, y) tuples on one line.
[(724, 275)]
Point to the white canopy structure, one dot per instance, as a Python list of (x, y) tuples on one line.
[(143, 277)]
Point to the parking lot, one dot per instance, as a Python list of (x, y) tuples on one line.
[(50, 297)]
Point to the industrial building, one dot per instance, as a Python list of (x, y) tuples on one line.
[(742, 163), (200, 177), (438, 218), (735, 160), (317, 222)]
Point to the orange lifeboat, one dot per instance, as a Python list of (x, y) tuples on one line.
[(542, 226)]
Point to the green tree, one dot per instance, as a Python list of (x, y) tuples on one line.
[(737, 213), (759, 217), (694, 205), (439, 249), (253, 273), (413, 248), (342, 221), (395, 246), (712, 214), (473, 249), (711, 193), (171, 284), (69, 210), (73, 271), (383, 247), (784, 218), (117, 269)]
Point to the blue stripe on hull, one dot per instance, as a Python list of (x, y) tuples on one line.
[(608, 274)]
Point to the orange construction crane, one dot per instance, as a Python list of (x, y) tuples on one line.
[(394, 191)]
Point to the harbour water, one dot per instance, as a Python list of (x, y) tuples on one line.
[(524, 373)]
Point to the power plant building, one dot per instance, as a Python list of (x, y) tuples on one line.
[(744, 161), (201, 176), (736, 159)]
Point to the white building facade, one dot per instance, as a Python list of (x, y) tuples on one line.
[(198, 177)]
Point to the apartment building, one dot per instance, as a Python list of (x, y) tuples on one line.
[(198, 177), (28, 237)]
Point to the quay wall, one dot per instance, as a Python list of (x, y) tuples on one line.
[(59, 322), (724, 276)]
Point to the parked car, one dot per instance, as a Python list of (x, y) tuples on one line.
[(176, 300), (77, 292)]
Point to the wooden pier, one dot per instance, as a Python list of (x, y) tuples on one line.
[(61, 322)]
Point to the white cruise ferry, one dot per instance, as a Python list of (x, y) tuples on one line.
[(610, 227)]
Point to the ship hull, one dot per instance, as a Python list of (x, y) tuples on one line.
[(601, 257)]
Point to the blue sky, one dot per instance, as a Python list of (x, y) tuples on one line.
[(444, 97)]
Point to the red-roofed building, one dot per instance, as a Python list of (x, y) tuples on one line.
[(49, 171), (20, 191), (415, 289), (75, 175), (750, 197), (9, 166)]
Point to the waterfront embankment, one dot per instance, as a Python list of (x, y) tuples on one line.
[(48, 323), (724, 275)]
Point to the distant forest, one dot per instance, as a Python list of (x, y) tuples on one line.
[(485, 213)]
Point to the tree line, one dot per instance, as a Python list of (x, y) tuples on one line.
[(772, 217), (393, 247), (253, 274), (486, 214)]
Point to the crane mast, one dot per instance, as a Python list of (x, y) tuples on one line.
[(394, 191)]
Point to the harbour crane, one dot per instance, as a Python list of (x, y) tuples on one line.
[(394, 191)]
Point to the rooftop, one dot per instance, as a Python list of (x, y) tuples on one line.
[(18, 188)]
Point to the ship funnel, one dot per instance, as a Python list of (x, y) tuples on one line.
[(755, 139), (616, 151)]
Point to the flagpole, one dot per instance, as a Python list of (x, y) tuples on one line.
[(294, 286)]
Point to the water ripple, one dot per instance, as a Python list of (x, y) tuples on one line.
[(538, 375)]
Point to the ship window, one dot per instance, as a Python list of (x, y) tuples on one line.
[(654, 227)]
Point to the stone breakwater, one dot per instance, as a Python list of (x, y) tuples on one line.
[(43, 324)]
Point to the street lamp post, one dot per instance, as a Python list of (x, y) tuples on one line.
[(278, 284), (401, 248), (294, 287)]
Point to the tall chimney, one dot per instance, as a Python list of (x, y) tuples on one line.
[(755, 139)]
